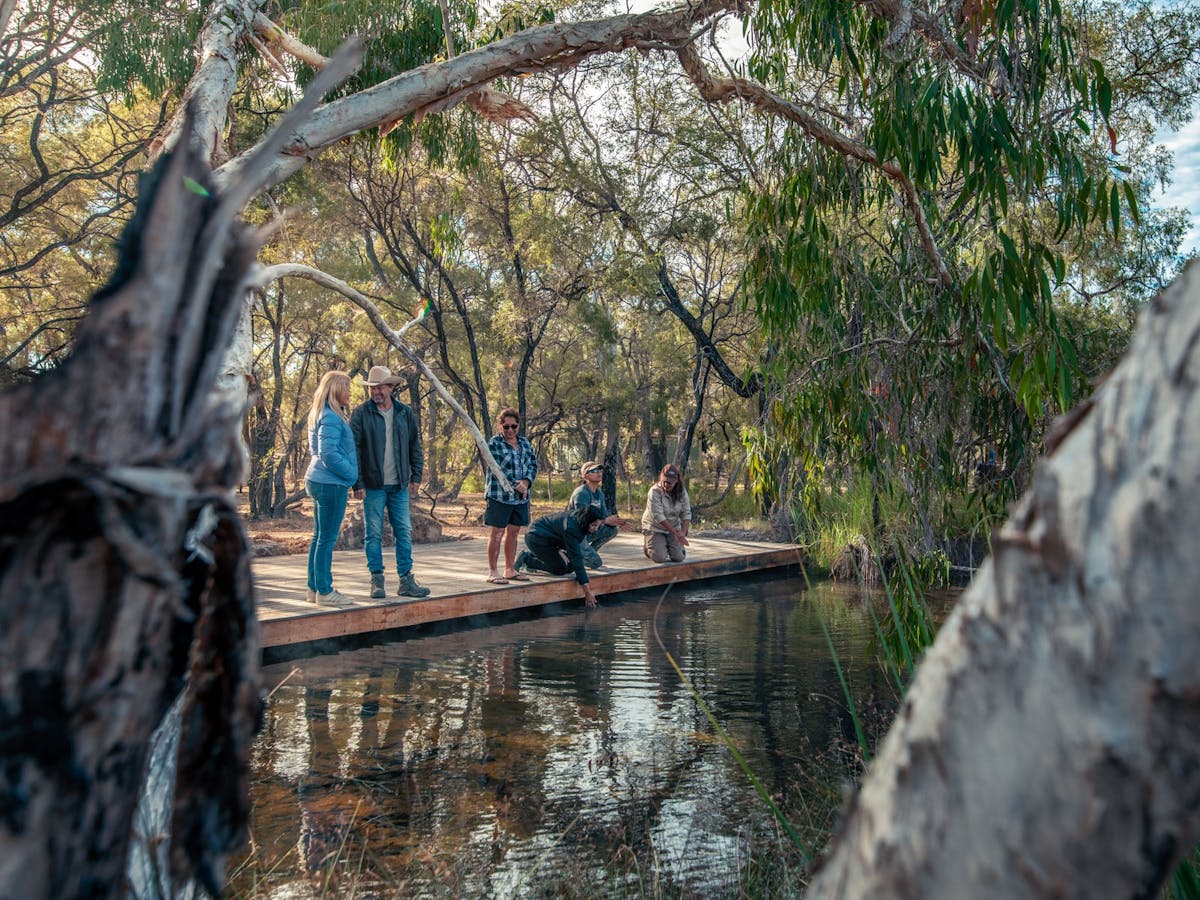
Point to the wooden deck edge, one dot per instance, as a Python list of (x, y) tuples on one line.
[(335, 623)]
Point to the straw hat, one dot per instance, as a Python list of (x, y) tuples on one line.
[(380, 375)]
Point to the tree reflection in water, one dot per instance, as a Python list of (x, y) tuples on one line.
[(543, 755)]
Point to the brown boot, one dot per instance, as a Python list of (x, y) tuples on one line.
[(410, 588)]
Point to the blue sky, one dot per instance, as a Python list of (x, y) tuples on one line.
[(1185, 187)]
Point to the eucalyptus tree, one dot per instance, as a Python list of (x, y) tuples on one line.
[(943, 178), (413, 216), (632, 149), (68, 159), (642, 154), (1151, 53), (126, 585), (545, 260)]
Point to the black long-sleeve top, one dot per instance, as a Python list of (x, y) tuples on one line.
[(562, 530)]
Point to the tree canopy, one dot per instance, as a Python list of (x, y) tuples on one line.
[(883, 249)]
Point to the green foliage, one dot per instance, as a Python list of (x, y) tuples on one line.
[(69, 161), (512, 17), (140, 44), (397, 37), (737, 506), (890, 366)]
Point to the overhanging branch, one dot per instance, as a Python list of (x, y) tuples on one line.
[(726, 90)]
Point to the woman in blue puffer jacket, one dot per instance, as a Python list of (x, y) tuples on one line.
[(331, 473)]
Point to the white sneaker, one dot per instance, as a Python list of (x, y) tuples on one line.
[(334, 598), (312, 596)]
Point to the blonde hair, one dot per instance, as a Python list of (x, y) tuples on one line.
[(331, 383)]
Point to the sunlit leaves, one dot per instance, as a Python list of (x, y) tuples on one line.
[(397, 36)]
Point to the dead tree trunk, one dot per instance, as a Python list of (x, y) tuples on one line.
[(124, 569), (124, 572), (1050, 744)]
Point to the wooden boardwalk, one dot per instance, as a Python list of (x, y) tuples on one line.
[(456, 572)]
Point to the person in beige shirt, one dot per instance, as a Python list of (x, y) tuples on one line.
[(667, 518)]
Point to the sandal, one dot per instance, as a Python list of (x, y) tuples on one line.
[(496, 579), (518, 576)]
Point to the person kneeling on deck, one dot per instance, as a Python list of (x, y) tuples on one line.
[(390, 465), (590, 494), (667, 518), (555, 545)]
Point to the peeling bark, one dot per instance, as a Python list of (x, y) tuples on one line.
[(545, 47), (124, 568), (1050, 743)]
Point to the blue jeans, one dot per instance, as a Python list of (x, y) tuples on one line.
[(601, 536), (594, 541), (394, 499), (329, 506)]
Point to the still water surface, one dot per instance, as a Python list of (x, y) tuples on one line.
[(537, 757)]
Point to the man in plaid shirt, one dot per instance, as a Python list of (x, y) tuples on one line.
[(508, 511)]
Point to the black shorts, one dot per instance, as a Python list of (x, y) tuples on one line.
[(500, 515)]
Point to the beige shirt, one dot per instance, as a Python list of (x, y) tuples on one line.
[(661, 506)]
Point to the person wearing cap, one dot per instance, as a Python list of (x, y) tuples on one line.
[(556, 545), (507, 511), (589, 493), (667, 518), (390, 464)]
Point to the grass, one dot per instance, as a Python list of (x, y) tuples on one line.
[(767, 866), (1184, 883)]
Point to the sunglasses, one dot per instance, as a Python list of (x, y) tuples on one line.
[(510, 427)]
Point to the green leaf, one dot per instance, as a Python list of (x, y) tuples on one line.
[(1131, 202), (1104, 97), (195, 187), (1010, 249), (1064, 388), (1114, 204)]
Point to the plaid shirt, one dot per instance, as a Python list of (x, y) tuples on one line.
[(516, 464)]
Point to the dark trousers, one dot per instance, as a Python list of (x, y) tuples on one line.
[(544, 555)]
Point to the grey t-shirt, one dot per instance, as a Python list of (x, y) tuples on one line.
[(390, 473)]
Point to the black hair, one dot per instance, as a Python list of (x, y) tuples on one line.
[(585, 516)]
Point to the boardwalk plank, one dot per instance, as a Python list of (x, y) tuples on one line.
[(456, 573)]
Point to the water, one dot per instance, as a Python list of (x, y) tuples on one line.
[(562, 755)]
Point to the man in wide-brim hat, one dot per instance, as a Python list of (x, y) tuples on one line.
[(390, 466)]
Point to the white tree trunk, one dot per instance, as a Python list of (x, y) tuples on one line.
[(1050, 743)]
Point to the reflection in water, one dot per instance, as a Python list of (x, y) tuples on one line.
[(537, 757)]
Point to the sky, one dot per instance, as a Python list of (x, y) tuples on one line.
[(1185, 187)]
